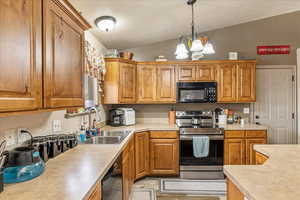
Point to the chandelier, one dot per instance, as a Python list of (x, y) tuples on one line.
[(198, 46)]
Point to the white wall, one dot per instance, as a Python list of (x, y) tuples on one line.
[(41, 124)]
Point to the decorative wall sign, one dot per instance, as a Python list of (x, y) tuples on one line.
[(272, 50)]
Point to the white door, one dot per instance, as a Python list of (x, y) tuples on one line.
[(275, 104)]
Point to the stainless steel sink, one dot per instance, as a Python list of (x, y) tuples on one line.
[(108, 137)]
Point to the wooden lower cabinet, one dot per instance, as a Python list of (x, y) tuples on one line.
[(234, 152), (96, 193), (233, 193), (128, 169), (164, 156), (141, 154), (250, 153), (260, 158), (238, 146)]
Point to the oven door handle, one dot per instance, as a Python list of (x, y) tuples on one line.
[(211, 137)]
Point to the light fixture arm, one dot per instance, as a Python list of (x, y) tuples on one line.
[(192, 2)]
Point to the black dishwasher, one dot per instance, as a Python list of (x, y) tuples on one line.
[(112, 182)]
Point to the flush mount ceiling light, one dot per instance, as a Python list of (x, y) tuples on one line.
[(198, 46), (106, 23)]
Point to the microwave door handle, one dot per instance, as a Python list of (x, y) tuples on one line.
[(206, 94)]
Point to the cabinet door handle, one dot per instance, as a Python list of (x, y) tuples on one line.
[(26, 88)]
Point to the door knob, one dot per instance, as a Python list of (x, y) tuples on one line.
[(256, 117)]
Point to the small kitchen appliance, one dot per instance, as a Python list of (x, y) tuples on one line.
[(196, 124), (122, 117), (42, 144), (22, 164), (128, 116), (196, 92), (116, 117)]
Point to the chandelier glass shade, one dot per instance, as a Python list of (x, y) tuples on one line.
[(198, 46)]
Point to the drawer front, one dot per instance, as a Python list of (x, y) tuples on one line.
[(163, 135), (234, 134), (256, 134)]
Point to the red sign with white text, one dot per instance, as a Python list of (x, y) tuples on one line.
[(271, 50)]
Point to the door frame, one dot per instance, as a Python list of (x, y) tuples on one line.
[(296, 92)]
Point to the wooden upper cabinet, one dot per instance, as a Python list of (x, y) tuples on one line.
[(166, 84), (63, 55), (120, 81), (226, 82), (164, 156), (20, 52), (127, 83), (246, 82), (205, 72), (186, 73), (141, 154), (146, 82)]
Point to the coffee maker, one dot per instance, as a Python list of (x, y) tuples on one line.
[(116, 117)]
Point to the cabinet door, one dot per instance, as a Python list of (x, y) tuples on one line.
[(146, 76), (166, 84), (205, 72), (127, 83), (226, 82), (63, 51), (246, 87), (128, 169), (233, 193), (164, 156), (20, 55), (141, 154), (234, 152), (125, 173), (186, 73), (260, 158), (96, 193), (250, 153)]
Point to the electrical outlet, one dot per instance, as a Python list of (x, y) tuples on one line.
[(10, 136), (246, 111), (56, 126)]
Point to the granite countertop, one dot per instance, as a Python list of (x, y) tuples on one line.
[(243, 127), (154, 126), (144, 127), (71, 175), (277, 179)]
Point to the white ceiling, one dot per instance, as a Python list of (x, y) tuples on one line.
[(142, 22)]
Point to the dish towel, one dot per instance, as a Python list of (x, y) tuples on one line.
[(201, 146)]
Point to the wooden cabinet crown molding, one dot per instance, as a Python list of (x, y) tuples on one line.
[(69, 9), (194, 62)]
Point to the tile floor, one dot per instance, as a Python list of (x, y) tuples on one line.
[(148, 189)]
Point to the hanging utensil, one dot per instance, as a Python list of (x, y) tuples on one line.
[(2, 161), (2, 147)]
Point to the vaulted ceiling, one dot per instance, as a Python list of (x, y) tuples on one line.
[(142, 22)]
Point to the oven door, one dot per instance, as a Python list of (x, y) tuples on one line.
[(210, 167)]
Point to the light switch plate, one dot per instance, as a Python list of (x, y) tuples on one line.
[(56, 126), (246, 111)]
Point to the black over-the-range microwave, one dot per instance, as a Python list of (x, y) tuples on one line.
[(196, 92)]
